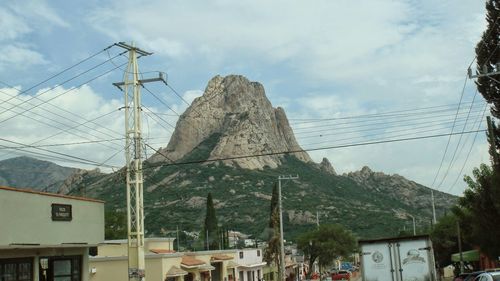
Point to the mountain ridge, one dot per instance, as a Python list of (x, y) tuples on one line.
[(235, 118)]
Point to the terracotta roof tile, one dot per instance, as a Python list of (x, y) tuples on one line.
[(191, 261), (221, 258), (162, 251)]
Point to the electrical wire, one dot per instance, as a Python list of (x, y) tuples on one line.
[(468, 153), (458, 143), (396, 113), (62, 144), (54, 87), (427, 125), (449, 138), (54, 152), (61, 72), (46, 101), (406, 123), (310, 149)]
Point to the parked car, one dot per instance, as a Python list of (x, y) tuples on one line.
[(488, 276), (461, 277), (341, 275), (472, 275)]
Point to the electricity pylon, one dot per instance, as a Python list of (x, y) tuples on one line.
[(133, 157)]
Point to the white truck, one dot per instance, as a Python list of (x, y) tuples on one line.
[(398, 259)]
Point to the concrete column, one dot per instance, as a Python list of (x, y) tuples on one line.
[(224, 271)]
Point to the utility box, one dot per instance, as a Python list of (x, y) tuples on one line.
[(398, 259)]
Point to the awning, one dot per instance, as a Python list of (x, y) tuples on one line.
[(205, 267), (175, 271), (232, 264), (252, 265), (162, 251), (191, 262), (218, 258), (472, 255)]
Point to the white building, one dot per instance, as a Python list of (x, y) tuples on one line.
[(45, 236), (250, 264)]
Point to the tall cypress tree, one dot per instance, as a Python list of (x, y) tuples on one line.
[(488, 56), (479, 207), (272, 251), (488, 59), (210, 230)]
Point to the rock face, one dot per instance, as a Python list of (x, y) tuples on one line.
[(237, 115), (327, 167), (399, 188)]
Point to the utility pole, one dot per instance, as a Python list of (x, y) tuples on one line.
[(133, 157), (178, 249), (414, 225), (433, 208), (282, 244), (317, 218), (460, 248)]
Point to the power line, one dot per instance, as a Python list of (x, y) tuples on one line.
[(310, 149), (458, 144), (396, 113), (159, 118), (160, 100), (57, 114), (371, 128), (51, 151), (406, 118), (386, 133), (157, 151), (61, 144), (52, 88), (449, 138), (61, 129), (61, 72), (470, 150), (46, 101)]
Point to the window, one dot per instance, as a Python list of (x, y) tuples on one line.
[(66, 268), (241, 255), (16, 269), (258, 253)]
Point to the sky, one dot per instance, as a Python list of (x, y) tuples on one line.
[(346, 73)]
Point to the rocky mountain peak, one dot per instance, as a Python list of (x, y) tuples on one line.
[(238, 119), (327, 167)]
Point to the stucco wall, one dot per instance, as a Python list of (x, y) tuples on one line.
[(26, 218)]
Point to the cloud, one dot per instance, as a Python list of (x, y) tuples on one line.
[(37, 11), (12, 27), (19, 56), (17, 22), (74, 115)]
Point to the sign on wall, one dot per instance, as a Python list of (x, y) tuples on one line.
[(61, 212)]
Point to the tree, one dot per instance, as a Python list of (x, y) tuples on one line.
[(479, 209), (445, 239), (272, 233), (210, 229), (115, 225), (327, 242), (488, 55)]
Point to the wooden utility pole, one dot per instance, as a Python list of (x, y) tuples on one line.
[(460, 248)]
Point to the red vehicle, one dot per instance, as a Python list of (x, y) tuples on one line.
[(341, 275)]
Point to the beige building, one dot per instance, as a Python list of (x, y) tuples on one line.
[(162, 263), (47, 236)]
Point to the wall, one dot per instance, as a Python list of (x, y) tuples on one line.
[(26, 218)]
